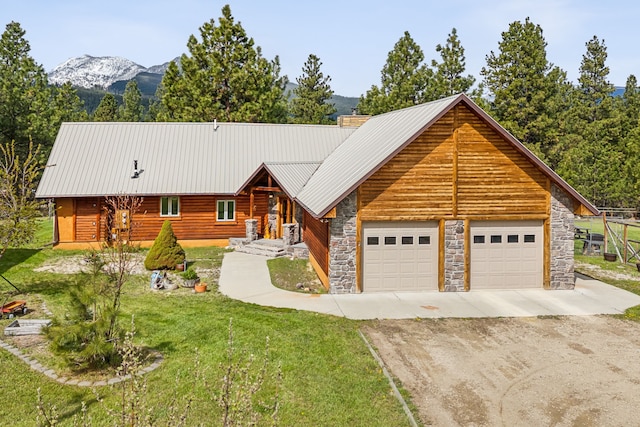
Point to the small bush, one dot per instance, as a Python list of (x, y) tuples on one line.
[(190, 274), (166, 252)]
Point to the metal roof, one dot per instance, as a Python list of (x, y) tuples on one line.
[(96, 159), (292, 176), (365, 151)]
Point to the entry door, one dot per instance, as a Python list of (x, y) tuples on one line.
[(506, 254), (399, 256)]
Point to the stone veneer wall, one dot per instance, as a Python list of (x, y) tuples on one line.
[(454, 256), (562, 235), (342, 247)]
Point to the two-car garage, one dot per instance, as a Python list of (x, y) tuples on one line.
[(404, 256)]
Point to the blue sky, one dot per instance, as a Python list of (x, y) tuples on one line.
[(352, 38)]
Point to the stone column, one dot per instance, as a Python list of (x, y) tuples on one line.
[(251, 229), (562, 240), (454, 256), (289, 234), (342, 247)]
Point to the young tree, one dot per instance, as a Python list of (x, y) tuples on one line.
[(528, 91), (309, 104), (25, 111), (107, 111), (18, 208), (404, 81), (89, 335), (131, 109), (225, 77), (449, 78)]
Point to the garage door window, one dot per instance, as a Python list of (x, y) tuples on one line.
[(496, 239), (390, 240), (512, 238), (424, 240), (478, 239), (373, 240), (529, 238), (407, 240)]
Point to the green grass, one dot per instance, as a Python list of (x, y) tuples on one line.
[(294, 275), (329, 377)]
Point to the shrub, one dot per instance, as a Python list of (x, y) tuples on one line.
[(166, 252), (190, 274)]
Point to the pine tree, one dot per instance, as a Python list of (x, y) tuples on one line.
[(309, 104), (25, 113), (404, 82), (528, 91), (67, 105), (449, 78), (131, 109), (166, 252), (593, 151), (225, 77), (107, 111)]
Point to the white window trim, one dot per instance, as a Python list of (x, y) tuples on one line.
[(226, 210), (169, 204)]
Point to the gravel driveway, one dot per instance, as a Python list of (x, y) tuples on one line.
[(561, 371)]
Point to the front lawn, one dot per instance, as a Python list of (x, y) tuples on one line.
[(328, 374)]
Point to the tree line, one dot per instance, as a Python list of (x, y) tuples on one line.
[(582, 131)]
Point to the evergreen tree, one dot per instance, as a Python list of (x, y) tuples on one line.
[(309, 104), (593, 151), (107, 111), (449, 78), (225, 78), (131, 109), (528, 91), (25, 113), (405, 80), (67, 105)]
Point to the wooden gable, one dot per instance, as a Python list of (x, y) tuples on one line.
[(459, 167)]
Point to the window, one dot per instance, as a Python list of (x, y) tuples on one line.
[(226, 210), (407, 240), (529, 238), (496, 238), (390, 240), (372, 240), (478, 239), (512, 238), (169, 206), (424, 240)]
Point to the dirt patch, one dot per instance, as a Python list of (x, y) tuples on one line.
[(523, 371)]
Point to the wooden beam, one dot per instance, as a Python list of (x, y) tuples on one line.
[(454, 192), (358, 243), (330, 214), (546, 247), (251, 202), (441, 255), (268, 189), (467, 255)]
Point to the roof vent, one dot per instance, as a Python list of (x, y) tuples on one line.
[(136, 172)]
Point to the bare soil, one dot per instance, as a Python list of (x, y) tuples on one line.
[(561, 371)]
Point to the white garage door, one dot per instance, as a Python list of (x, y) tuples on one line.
[(506, 254), (400, 256)]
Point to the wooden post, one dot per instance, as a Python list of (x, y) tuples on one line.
[(605, 233), (251, 201), (625, 242)]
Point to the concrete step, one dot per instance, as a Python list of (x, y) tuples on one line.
[(271, 251)]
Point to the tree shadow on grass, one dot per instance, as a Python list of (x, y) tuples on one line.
[(14, 257)]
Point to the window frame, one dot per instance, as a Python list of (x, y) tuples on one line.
[(170, 213), (225, 211)]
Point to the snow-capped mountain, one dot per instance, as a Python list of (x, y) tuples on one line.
[(90, 72)]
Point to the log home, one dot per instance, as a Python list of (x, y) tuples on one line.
[(432, 197)]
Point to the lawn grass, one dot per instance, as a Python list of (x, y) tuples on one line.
[(329, 377), (295, 275)]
